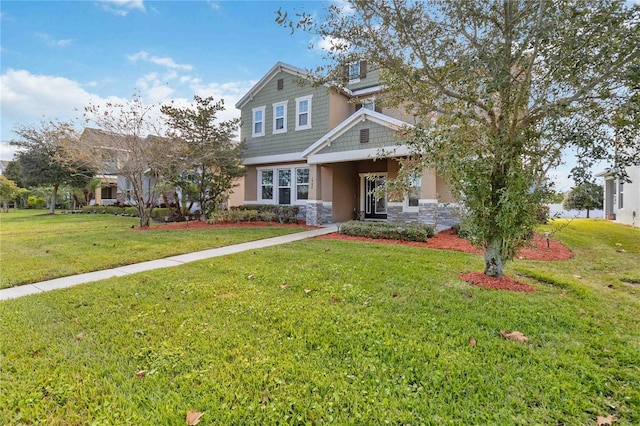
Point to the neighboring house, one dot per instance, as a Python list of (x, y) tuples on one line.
[(622, 199), (320, 148), (3, 166)]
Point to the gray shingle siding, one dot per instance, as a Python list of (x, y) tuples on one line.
[(379, 137), (292, 140)]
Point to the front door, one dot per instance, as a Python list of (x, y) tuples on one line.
[(375, 197)]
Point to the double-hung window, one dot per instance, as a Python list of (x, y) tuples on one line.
[(266, 185), (354, 72), (413, 195), (258, 122), (280, 117), (284, 186), (303, 112), (302, 183)]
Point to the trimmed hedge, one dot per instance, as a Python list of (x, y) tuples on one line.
[(281, 214), (387, 230), (126, 211)]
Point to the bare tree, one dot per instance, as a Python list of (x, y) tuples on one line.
[(129, 143)]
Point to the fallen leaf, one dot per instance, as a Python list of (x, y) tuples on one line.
[(307, 291), (472, 341), (193, 417), (394, 294), (335, 299), (563, 294), (618, 244), (285, 285), (327, 249), (365, 303), (516, 336), (610, 286), (140, 374), (80, 336), (621, 251), (265, 397), (601, 421), (250, 276), (577, 276)]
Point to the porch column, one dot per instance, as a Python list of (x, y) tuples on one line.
[(314, 204)]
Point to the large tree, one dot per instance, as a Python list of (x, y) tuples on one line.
[(131, 146), (586, 196), (45, 160), (210, 160), (501, 88)]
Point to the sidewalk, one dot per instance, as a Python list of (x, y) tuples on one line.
[(64, 282)]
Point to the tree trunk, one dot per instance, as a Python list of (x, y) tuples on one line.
[(54, 195), (587, 213), (493, 266)]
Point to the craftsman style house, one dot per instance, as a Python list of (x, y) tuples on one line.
[(330, 151)]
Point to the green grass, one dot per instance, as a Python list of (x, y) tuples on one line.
[(382, 337), (36, 247)]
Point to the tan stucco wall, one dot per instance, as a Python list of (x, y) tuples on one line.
[(345, 191), (236, 194), (339, 108), (326, 178), (444, 191), (250, 184)]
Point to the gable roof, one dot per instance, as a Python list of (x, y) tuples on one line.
[(362, 114), (280, 66)]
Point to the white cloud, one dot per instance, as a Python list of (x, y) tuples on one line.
[(51, 42), (165, 62), (344, 7), (215, 5), (327, 43), (121, 7)]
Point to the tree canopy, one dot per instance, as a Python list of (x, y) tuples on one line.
[(586, 196), (210, 159), (500, 89), (45, 160)]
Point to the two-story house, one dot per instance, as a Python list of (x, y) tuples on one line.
[(330, 150)]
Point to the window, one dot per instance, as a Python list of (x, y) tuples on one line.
[(302, 184), (620, 194), (303, 113), (266, 184), (291, 185), (354, 72), (280, 117), (415, 185), (369, 104), (258, 122), (284, 186)]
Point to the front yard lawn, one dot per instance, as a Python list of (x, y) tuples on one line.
[(36, 247), (333, 332)]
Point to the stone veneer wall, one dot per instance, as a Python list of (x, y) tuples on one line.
[(426, 214), (317, 213)]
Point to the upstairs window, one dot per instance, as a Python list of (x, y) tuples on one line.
[(354, 72), (369, 104), (303, 112), (280, 117), (258, 122)]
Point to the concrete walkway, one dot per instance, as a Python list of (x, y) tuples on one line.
[(64, 282)]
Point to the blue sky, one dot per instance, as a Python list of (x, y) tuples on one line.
[(57, 56)]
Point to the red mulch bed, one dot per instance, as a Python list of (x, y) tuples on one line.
[(449, 240), (504, 283), (197, 224)]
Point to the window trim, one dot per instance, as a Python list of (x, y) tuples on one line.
[(276, 185), (284, 117), (307, 98), (253, 121)]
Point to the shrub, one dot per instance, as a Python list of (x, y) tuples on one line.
[(282, 214), (542, 214), (34, 202), (386, 230), (461, 231)]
